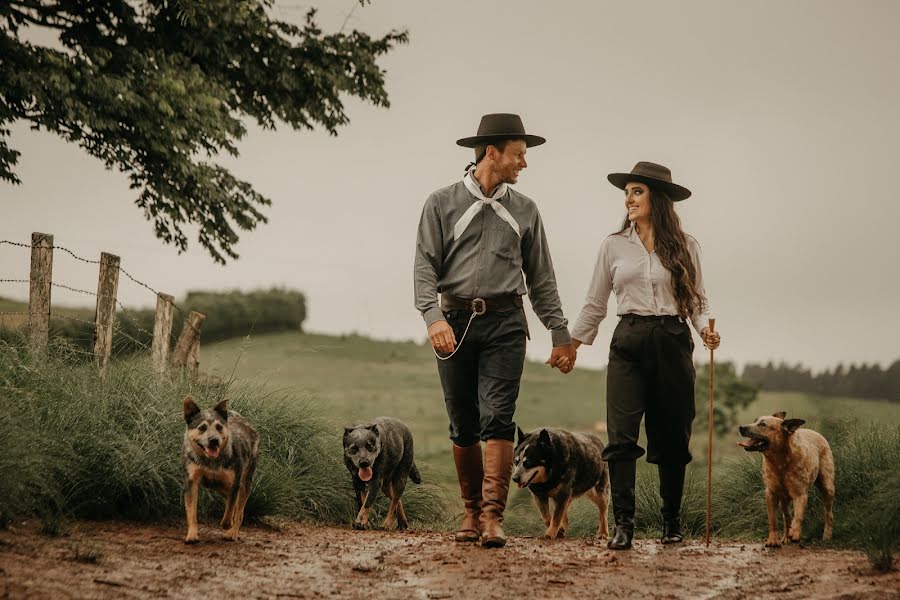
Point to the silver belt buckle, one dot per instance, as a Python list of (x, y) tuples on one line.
[(475, 303)]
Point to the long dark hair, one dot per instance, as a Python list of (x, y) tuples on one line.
[(670, 243)]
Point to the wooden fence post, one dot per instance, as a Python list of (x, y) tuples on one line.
[(39, 291), (107, 288), (190, 334), (193, 359), (162, 330)]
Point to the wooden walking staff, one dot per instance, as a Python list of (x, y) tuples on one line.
[(712, 376)]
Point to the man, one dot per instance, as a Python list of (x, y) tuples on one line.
[(475, 240)]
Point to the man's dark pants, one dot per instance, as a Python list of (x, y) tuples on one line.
[(481, 381)]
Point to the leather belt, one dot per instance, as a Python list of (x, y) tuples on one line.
[(507, 303), (631, 318)]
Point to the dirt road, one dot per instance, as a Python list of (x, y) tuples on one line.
[(116, 560)]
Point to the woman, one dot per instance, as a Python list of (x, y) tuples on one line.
[(654, 269)]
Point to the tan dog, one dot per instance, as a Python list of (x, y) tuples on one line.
[(793, 459)]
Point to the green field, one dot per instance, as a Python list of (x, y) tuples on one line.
[(353, 378)]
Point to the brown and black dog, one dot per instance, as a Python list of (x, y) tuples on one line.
[(793, 459), (220, 452)]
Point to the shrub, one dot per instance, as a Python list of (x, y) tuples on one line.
[(228, 314)]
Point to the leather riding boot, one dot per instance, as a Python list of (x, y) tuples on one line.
[(470, 472), (671, 488), (621, 477), (498, 455)]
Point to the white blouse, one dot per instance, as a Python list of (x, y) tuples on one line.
[(642, 284)]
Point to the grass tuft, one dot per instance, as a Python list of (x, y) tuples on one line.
[(73, 444)]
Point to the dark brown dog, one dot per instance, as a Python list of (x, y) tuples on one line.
[(793, 459)]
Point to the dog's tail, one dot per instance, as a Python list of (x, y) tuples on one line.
[(414, 474)]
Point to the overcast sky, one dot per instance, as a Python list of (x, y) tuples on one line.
[(781, 117)]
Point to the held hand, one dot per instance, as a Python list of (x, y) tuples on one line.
[(563, 358), (441, 336), (710, 339)]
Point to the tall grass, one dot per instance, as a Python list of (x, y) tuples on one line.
[(73, 444)]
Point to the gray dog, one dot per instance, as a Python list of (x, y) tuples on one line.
[(379, 455)]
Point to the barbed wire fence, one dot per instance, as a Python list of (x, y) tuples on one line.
[(108, 322)]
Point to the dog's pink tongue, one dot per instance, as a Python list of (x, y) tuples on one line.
[(365, 473), (212, 452), (745, 443)]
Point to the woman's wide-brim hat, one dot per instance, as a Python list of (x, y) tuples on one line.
[(653, 175), (500, 126)]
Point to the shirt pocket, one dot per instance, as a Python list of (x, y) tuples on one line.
[(505, 242)]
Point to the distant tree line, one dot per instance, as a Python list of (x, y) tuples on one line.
[(863, 381)]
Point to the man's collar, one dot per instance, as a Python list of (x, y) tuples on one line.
[(475, 188)]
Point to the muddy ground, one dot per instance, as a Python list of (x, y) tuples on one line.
[(116, 560)]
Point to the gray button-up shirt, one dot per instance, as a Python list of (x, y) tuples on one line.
[(488, 259), (642, 284)]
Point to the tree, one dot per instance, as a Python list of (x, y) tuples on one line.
[(731, 395), (154, 87)]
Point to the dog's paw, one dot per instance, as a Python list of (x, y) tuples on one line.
[(225, 524), (192, 539), (359, 525), (561, 533), (773, 542), (231, 535)]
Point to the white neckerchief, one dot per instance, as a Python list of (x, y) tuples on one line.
[(475, 190)]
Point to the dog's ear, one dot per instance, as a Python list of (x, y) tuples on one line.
[(222, 409), (791, 425), (544, 437), (373, 428), (190, 408), (520, 435), (780, 414)]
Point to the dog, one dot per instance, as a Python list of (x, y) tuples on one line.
[(220, 452), (793, 459), (379, 456), (557, 464)]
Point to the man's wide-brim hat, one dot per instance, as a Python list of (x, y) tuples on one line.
[(498, 127), (654, 175)]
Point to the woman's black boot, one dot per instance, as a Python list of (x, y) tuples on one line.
[(621, 477), (671, 487)]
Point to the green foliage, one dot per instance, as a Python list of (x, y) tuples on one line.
[(153, 87), (75, 445), (237, 314), (731, 395)]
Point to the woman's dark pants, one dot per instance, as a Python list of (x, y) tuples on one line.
[(650, 375)]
